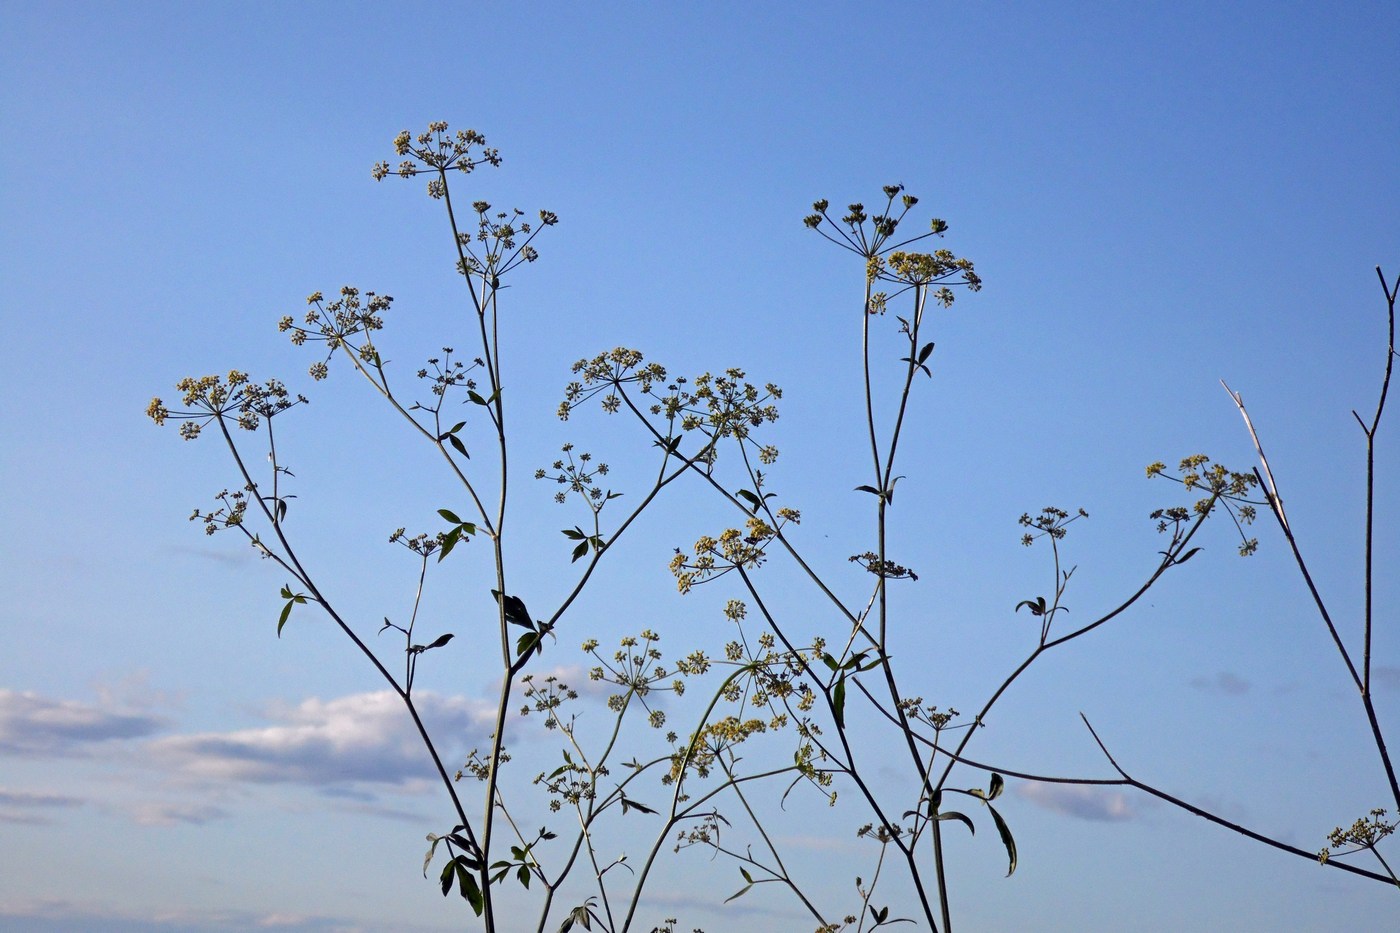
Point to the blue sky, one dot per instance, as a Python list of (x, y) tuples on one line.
[(1156, 196)]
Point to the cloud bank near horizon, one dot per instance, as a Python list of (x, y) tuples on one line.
[(34, 726), (354, 740), (1081, 801)]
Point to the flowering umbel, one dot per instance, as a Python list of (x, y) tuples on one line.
[(210, 398)]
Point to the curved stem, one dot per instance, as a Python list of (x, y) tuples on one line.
[(1221, 821), (364, 649)]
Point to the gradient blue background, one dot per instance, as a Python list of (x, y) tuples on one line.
[(1157, 196)]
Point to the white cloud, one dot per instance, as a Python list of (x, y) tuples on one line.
[(1082, 801), (363, 738), (38, 727)]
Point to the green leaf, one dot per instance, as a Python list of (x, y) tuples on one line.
[(838, 701), (286, 592), (997, 786), (573, 534), (829, 661), (450, 515), (870, 489), (754, 501), (434, 838), (476, 397), (629, 804), (449, 872), (516, 613), (472, 864), (960, 817), (1006, 839), (739, 893), (581, 550), (871, 665), (286, 613), (456, 427), (438, 642), (854, 660), (466, 883), (527, 644), (458, 446), (449, 543), (924, 353), (580, 915), (1188, 555)]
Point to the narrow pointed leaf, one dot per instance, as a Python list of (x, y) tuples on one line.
[(434, 838), (467, 885), (739, 893), (449, 543), (449, 873), (629, 804), (1006, 839), (960, 817)]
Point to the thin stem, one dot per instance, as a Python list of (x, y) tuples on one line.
[(782, 873), (1221, 821), (694, 465), (350, 633), (849, 766), (1371, 470), (1385, 865)]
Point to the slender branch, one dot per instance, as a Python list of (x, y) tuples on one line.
[(849, 766), (1371, 473), (694, 466), (364, 649), (1276, 506), (1221, 821), (782, 873)]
